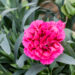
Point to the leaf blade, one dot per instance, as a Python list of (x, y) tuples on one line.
[(35, 69), (5, 44), (64, 58), (27, 15), (20, 61), (17, 44)]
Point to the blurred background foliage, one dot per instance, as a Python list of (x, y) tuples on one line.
[(15, 16)]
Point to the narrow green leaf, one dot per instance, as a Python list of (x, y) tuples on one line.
[(26, 26), (7, 11), (17, 44), (4, 60), (35, 1), (5, 44), (6, 3), (53, 65), (68, 33), (21, 60), (68, 49), (29, 4), (19, 72), (66, 59), (27, 15), (35, 69), (72, 68), (2, 68), (58, 70), (14, 26)]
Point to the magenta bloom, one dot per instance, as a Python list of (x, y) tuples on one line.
[(41, 40)]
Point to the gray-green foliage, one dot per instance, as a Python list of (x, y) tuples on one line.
[(15, 17)]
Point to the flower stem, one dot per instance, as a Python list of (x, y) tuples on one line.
[(49, 71)]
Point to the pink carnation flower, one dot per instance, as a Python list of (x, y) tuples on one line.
[(41, 40)]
